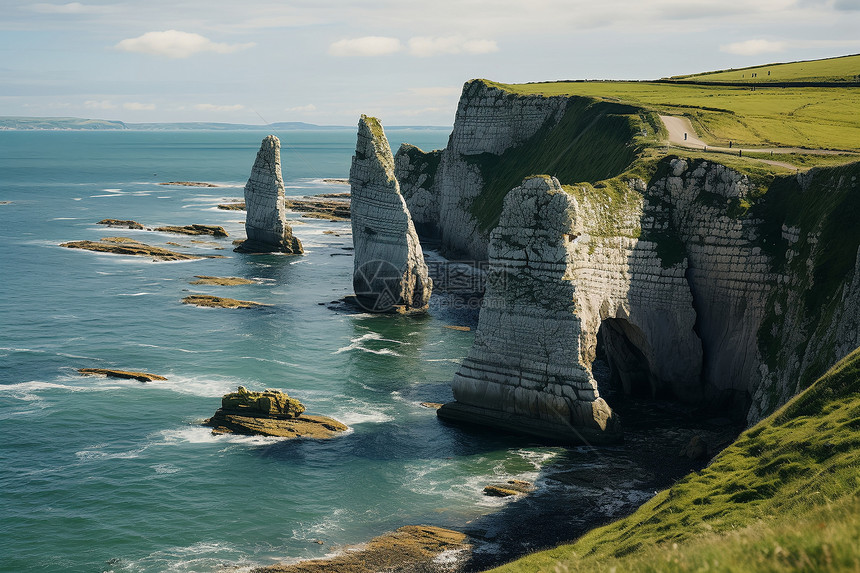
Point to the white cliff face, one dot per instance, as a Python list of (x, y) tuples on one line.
[(524, 371), (491, 121), (265, 219), (389, 271), (415, 171)]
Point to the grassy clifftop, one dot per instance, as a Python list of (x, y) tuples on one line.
[(841, 69), (784, 497), (818, 117)]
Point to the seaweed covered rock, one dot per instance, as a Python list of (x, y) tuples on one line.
[(266, 403)]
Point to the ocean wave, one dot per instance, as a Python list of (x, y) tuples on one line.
[(135, 293), (173, 347), (28, 391)]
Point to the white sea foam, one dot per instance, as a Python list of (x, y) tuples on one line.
[(97, 453), (165, 468), (358, 344), (134, 293), (176, 348)]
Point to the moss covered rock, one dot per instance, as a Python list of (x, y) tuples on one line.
[(266, 403)]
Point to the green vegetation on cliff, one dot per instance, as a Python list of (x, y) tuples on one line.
[(784, 497), (593, 141)]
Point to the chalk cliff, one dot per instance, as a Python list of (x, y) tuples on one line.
[(265, 219), (524, 371), (702, 283), (389, 268)]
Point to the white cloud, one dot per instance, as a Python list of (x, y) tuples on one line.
[(100, 104), (302, 108), (176, 44), (366, 46), (753, 47), (137, 106), (426, 46), (213, 107), (70, 8)]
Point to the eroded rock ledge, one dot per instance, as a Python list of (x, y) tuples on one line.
[(266, 224), (389, 266)]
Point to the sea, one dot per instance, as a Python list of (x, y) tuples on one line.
[(101, 474)]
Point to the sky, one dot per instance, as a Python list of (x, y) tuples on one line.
[(404, 61)]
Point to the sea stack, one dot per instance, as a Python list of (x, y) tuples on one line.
[(524, 372), (390, 274), (265, 218)]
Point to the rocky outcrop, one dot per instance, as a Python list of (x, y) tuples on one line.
[(389, 267), (265, 220), (269, 413), (336, 209), (124, 223), (409, 549), (214, 230), (525, 371), (123, 374), (127, 246), (210, 301)]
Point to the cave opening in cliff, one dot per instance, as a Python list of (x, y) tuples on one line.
[(621, 368)]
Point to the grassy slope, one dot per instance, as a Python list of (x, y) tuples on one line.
[(815, 118), (593, 141), (844, 68), (784, 497)]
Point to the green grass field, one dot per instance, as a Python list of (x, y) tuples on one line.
[(813, 118), (784, 497), (841, 69)]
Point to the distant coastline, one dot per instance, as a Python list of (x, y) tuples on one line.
[(12, 123)]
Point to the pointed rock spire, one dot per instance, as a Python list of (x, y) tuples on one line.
[(265, 219), (390, 273)]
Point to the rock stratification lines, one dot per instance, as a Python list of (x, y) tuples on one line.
[(390, 273), (524, 371), (266, 221)]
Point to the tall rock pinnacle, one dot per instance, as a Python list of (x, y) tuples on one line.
[(389, 273), (265, 220)]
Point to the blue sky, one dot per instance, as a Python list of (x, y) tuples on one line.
[(404, 61)]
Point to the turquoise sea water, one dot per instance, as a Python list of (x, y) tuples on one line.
[(110, 475)]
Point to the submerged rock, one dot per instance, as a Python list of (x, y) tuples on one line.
[(270, 413), (509, 488), (221, 281), (523, 372), (189, 183), (389, 268), (214, 230), (265, 219), (125, 374), (321, 208), (219, 302), (127, 246), (409, 549)]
